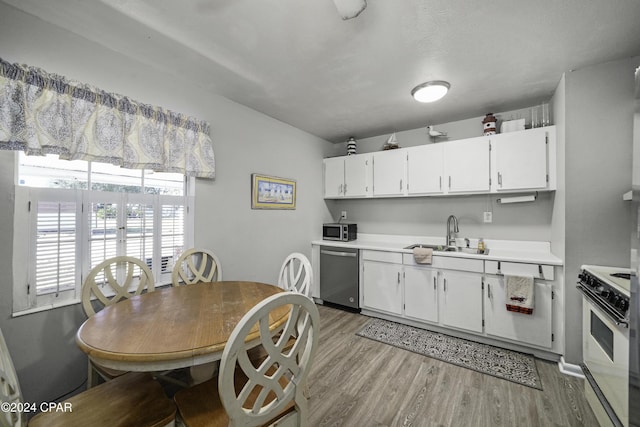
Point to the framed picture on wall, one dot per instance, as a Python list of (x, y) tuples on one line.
[(270, 192)]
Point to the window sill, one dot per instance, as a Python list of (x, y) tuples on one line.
[(46, 307)]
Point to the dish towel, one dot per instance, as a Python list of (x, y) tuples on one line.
[(519, 293), (423, 255)]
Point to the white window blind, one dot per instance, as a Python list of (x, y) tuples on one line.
[(71, 228), (173, 236), (55, 247)]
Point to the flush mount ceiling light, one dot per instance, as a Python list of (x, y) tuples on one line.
[(350, 8), (430, 91)]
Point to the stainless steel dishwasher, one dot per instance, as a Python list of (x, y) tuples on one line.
[(339, 276)]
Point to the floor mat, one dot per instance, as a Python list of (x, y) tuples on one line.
[(487, 359)]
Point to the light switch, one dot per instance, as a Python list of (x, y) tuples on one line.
[(488, 217)]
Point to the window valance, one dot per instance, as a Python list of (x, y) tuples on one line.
[(44, 113)]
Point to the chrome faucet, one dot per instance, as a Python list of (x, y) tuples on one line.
[(451, 240)]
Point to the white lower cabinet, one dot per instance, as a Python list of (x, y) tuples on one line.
[(382, 281), (535, 329), (459, 294), (421, 293), (461, 300)]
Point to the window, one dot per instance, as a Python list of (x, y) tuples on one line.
[(75, 214)]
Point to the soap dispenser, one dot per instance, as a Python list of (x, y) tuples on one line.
[(481, 246)]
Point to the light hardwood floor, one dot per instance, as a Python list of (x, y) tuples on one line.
[(359, 382)]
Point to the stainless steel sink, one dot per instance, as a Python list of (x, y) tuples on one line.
[(466, 250), (441, 248), (424, 245)]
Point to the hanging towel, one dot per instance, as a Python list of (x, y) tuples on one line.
[(422, 255), (519, 293)]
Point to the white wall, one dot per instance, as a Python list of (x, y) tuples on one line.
[(598, 148), (251, 244)]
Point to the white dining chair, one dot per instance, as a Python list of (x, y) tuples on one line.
[(195, 266), (247, 393), (131, 400), (109, 282), (296, 274), (113, 280)]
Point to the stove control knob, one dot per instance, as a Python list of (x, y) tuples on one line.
[(605, 293), (623, 304), (614, 300)]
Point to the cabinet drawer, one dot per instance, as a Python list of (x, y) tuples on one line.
[(450, 263), (383, 256), (538, 271)]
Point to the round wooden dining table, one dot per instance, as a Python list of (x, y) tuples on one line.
[(173, 327)]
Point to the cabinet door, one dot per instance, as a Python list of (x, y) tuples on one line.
[(333, 177), (525, 328), (520, 160), (461, 300), (467, 165), (382, 286), (357, 175), (389, 177), (424, 169), (421, 293)]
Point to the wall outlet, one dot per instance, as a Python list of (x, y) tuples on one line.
[(488, 216), (343, 215)]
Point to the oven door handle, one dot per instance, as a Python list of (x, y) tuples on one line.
[(589, 295)]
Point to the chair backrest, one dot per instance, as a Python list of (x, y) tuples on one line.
[(195, 266), (279, 380), (113, 280), (9, 390), (296, 274)]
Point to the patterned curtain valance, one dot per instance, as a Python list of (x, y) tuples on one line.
[(44, 113)]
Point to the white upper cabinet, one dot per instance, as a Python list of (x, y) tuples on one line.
[(425, 166), (357, 175), (520, 160), (504, 163), (389, 173), (334, 177), (348, 176), (466, 165)]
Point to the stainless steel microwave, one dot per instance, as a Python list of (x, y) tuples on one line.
[(338, 231)]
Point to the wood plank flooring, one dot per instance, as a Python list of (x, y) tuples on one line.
[(359, 382)]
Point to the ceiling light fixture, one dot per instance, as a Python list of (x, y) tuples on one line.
[(430, 91), (350, 8)]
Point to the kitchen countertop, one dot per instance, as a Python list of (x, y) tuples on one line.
[(532, 252)]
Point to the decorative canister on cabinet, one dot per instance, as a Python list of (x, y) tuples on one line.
[(351, 146), (489, 124)]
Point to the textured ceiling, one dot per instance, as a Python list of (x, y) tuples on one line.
[(299, 62)]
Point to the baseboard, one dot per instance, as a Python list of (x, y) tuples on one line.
[(570, 369)]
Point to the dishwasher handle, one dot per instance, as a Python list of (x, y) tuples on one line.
[(335, 253)]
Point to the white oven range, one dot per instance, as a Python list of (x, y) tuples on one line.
[(605, 329)]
